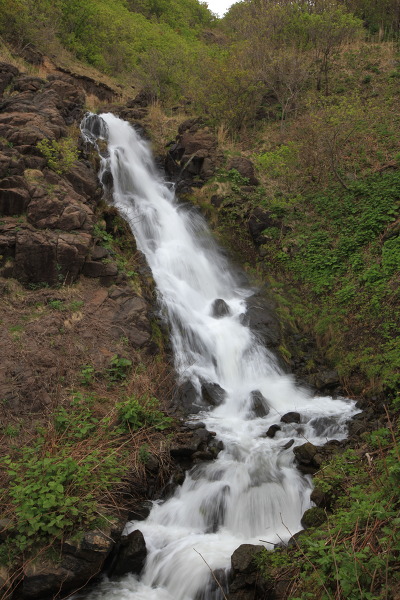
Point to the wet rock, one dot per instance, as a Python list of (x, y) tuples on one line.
[(258, 404), (272, 431), (288, 445), (80, 561), (244, 166), (291, 417), (212, 393), (245, 581), (261, 318), (308, 458), (220, 309), (131, 555), (187, 398), (313, 517), (242, 560)]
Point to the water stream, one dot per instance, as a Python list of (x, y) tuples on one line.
[(253, 490)]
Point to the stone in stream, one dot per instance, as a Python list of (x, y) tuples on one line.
[(291, 417), (212, 393), (308, 458), (258, 404), (220, 309), (131, 556), (272, 431)]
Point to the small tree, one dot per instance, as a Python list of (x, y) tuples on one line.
[(327, 28)]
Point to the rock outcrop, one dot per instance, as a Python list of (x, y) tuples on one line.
[(79, 561), (193, 154)]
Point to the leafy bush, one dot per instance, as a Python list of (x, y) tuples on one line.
[(60, 155)]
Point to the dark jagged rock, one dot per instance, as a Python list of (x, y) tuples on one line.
[(13, 201), (80, 561), (288, 445), (7, 74), (291, 417), (194, 153), (130, 319), (245, 580), (99, 269), (272, 431), (242, 560), (325, 379), (220, 309), (131, 555), (259, 220)]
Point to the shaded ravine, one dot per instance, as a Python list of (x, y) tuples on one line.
[(253, 490)]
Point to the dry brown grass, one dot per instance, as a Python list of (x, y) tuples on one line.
[(162, 126)]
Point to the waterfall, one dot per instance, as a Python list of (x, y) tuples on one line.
[(253, 490)]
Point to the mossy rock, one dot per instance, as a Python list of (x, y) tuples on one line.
[(313, 517)]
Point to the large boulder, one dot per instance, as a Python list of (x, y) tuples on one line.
[(80, 561), (194, 153), (131, 555), (246, 582), (47, 257), (308, 458)]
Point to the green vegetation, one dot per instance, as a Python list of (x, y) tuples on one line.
[(135, 413), (60, 155), (68, 477), (119, 368), (353, 555)]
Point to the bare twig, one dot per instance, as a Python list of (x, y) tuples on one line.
[(212, 573)]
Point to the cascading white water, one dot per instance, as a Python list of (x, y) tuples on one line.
[(253, 490)]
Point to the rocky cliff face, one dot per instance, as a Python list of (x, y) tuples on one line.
[(68, 299)]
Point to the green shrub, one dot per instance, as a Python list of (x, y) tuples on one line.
[(60, 155)]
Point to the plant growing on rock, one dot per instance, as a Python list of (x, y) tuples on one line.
[(60, 155)]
